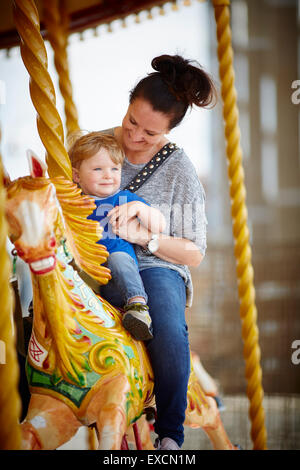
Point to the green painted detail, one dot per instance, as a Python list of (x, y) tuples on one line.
[(136, 418), (129, 352), (74, 393), (72, 378), (127, 406), (87, 366), (109, 361), (80, 377), (55, 378), (92, 378)]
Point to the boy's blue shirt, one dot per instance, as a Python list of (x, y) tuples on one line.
[(112, 241)]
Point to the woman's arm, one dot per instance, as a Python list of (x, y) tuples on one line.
[(178, 250), (174, 250), (151, 218)]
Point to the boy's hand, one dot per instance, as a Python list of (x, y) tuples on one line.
[(133, 232), (121, 215)]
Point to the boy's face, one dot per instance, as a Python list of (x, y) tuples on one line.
[(98, 175)]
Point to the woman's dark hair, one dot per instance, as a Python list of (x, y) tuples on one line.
[(176, 85)]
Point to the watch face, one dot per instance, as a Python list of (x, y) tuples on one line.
[(153, 246)]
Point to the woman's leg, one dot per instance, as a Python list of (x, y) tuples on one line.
[(169, 349)]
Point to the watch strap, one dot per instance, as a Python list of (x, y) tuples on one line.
[(146, 250)]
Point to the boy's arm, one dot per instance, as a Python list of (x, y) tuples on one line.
[(149, 217)]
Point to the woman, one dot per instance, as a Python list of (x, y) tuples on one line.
[(157, 104)]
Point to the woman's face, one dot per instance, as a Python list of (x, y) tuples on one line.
[(142, 127)]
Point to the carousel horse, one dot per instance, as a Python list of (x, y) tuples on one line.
[(83, 367), (208, 384)]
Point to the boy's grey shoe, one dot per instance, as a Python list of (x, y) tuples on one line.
[(137, 321), (166, 444)]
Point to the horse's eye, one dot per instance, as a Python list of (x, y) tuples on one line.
[(14, 228)]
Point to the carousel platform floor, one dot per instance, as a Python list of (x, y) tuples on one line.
[(282, 424)]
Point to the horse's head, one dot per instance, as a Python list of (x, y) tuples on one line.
[(32, 211), (43, 213)]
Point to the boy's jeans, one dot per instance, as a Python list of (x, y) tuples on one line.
[(126, 281)]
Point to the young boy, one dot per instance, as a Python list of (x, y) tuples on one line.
[(97, 162)]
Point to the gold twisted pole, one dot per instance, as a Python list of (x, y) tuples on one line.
[(10, 403), (248, 312), (56, 22), (42, 91)]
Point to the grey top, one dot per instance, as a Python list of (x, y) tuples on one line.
[(177, 192)]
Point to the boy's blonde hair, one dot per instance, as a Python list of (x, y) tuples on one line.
[(85, 146)]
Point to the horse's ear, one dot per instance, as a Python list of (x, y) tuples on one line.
[(37, 167)]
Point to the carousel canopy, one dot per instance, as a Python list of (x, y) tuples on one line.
[(82, 14)]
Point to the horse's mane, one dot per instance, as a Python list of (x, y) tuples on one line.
[(82, 234)]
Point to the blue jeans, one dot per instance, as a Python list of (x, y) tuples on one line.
[(169, 349), (126, 281)]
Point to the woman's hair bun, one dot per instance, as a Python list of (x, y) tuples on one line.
[(188, 82), (165, 64)]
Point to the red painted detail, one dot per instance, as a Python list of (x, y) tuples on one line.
[(52, 242), (85, 339), (34, 349), (77, 301), (37, 169), (124, 443), (137, 436), (77, 330), (61, 264), (46, 363)]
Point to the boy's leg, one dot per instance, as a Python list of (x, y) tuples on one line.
[(126, 281)]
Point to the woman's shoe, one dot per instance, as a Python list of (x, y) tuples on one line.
[(166, 444)]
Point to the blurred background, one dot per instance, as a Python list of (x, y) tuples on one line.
[(105, 63)]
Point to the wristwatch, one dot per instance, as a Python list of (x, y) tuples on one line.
[(152, 245)]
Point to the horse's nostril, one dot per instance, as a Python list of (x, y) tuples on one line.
[(52, 242)]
